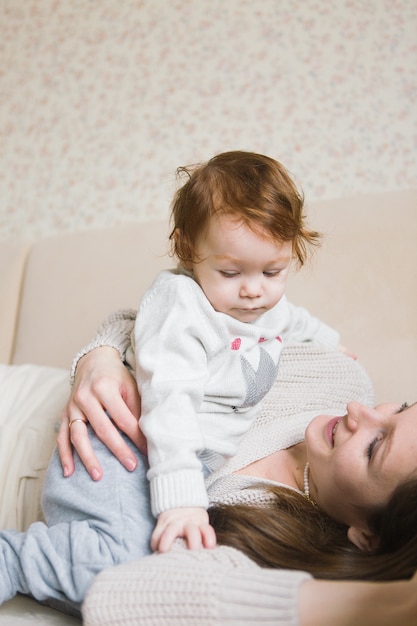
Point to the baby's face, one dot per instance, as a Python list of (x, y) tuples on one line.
[(242, 273)]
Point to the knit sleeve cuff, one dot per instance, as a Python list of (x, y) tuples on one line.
[(178, 489), (114, 332)]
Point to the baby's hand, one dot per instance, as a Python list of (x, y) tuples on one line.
[(190, 523), (347, 352)]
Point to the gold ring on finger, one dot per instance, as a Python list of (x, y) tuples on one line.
[(77, 419)]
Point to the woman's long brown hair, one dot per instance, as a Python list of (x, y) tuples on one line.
[(292, 533)]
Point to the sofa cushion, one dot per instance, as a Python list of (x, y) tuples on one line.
[(72, 282), (31, 401), (362, 282)]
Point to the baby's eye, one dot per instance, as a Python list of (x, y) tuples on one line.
[(272, 273), (228, 274)]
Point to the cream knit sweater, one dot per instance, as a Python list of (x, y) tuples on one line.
[(222, 586)]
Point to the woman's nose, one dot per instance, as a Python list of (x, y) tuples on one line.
[(357, 414)]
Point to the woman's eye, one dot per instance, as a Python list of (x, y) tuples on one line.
[(371, 448)]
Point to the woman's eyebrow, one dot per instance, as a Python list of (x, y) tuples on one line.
[(388, 443), (405, 407)]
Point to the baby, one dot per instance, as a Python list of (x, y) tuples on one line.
[(208, 335)]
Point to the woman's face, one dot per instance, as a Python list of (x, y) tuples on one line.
[(358, 459)]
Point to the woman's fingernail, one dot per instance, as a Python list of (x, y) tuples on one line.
[(95, 474), (130, 464)]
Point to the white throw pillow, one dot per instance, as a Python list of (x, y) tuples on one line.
[(31, 401)]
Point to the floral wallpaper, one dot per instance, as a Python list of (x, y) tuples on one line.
[(101, 100)]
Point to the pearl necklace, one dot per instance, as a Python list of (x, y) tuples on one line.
[(306, 485)]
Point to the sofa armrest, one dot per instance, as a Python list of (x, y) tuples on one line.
[(13, 257), (31, 402)]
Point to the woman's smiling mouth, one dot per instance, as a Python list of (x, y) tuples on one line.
[(331, 430)]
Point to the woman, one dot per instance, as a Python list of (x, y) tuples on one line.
[(224, 586)]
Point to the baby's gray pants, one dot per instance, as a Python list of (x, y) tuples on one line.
[(89, 526)]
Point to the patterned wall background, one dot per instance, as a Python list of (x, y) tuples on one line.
[(101, 100)]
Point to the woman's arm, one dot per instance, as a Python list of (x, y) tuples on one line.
[(115, 331), (221, 586), (203, 587), (102, 386)]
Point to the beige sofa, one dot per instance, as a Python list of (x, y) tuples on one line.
[(55, 292)]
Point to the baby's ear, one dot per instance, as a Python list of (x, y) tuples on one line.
[(363, 539), (183, 249), (178, 240)]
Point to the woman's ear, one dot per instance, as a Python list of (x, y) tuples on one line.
[(363, 539)]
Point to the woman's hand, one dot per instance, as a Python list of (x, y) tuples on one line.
[(347, 352), (103, 386)]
